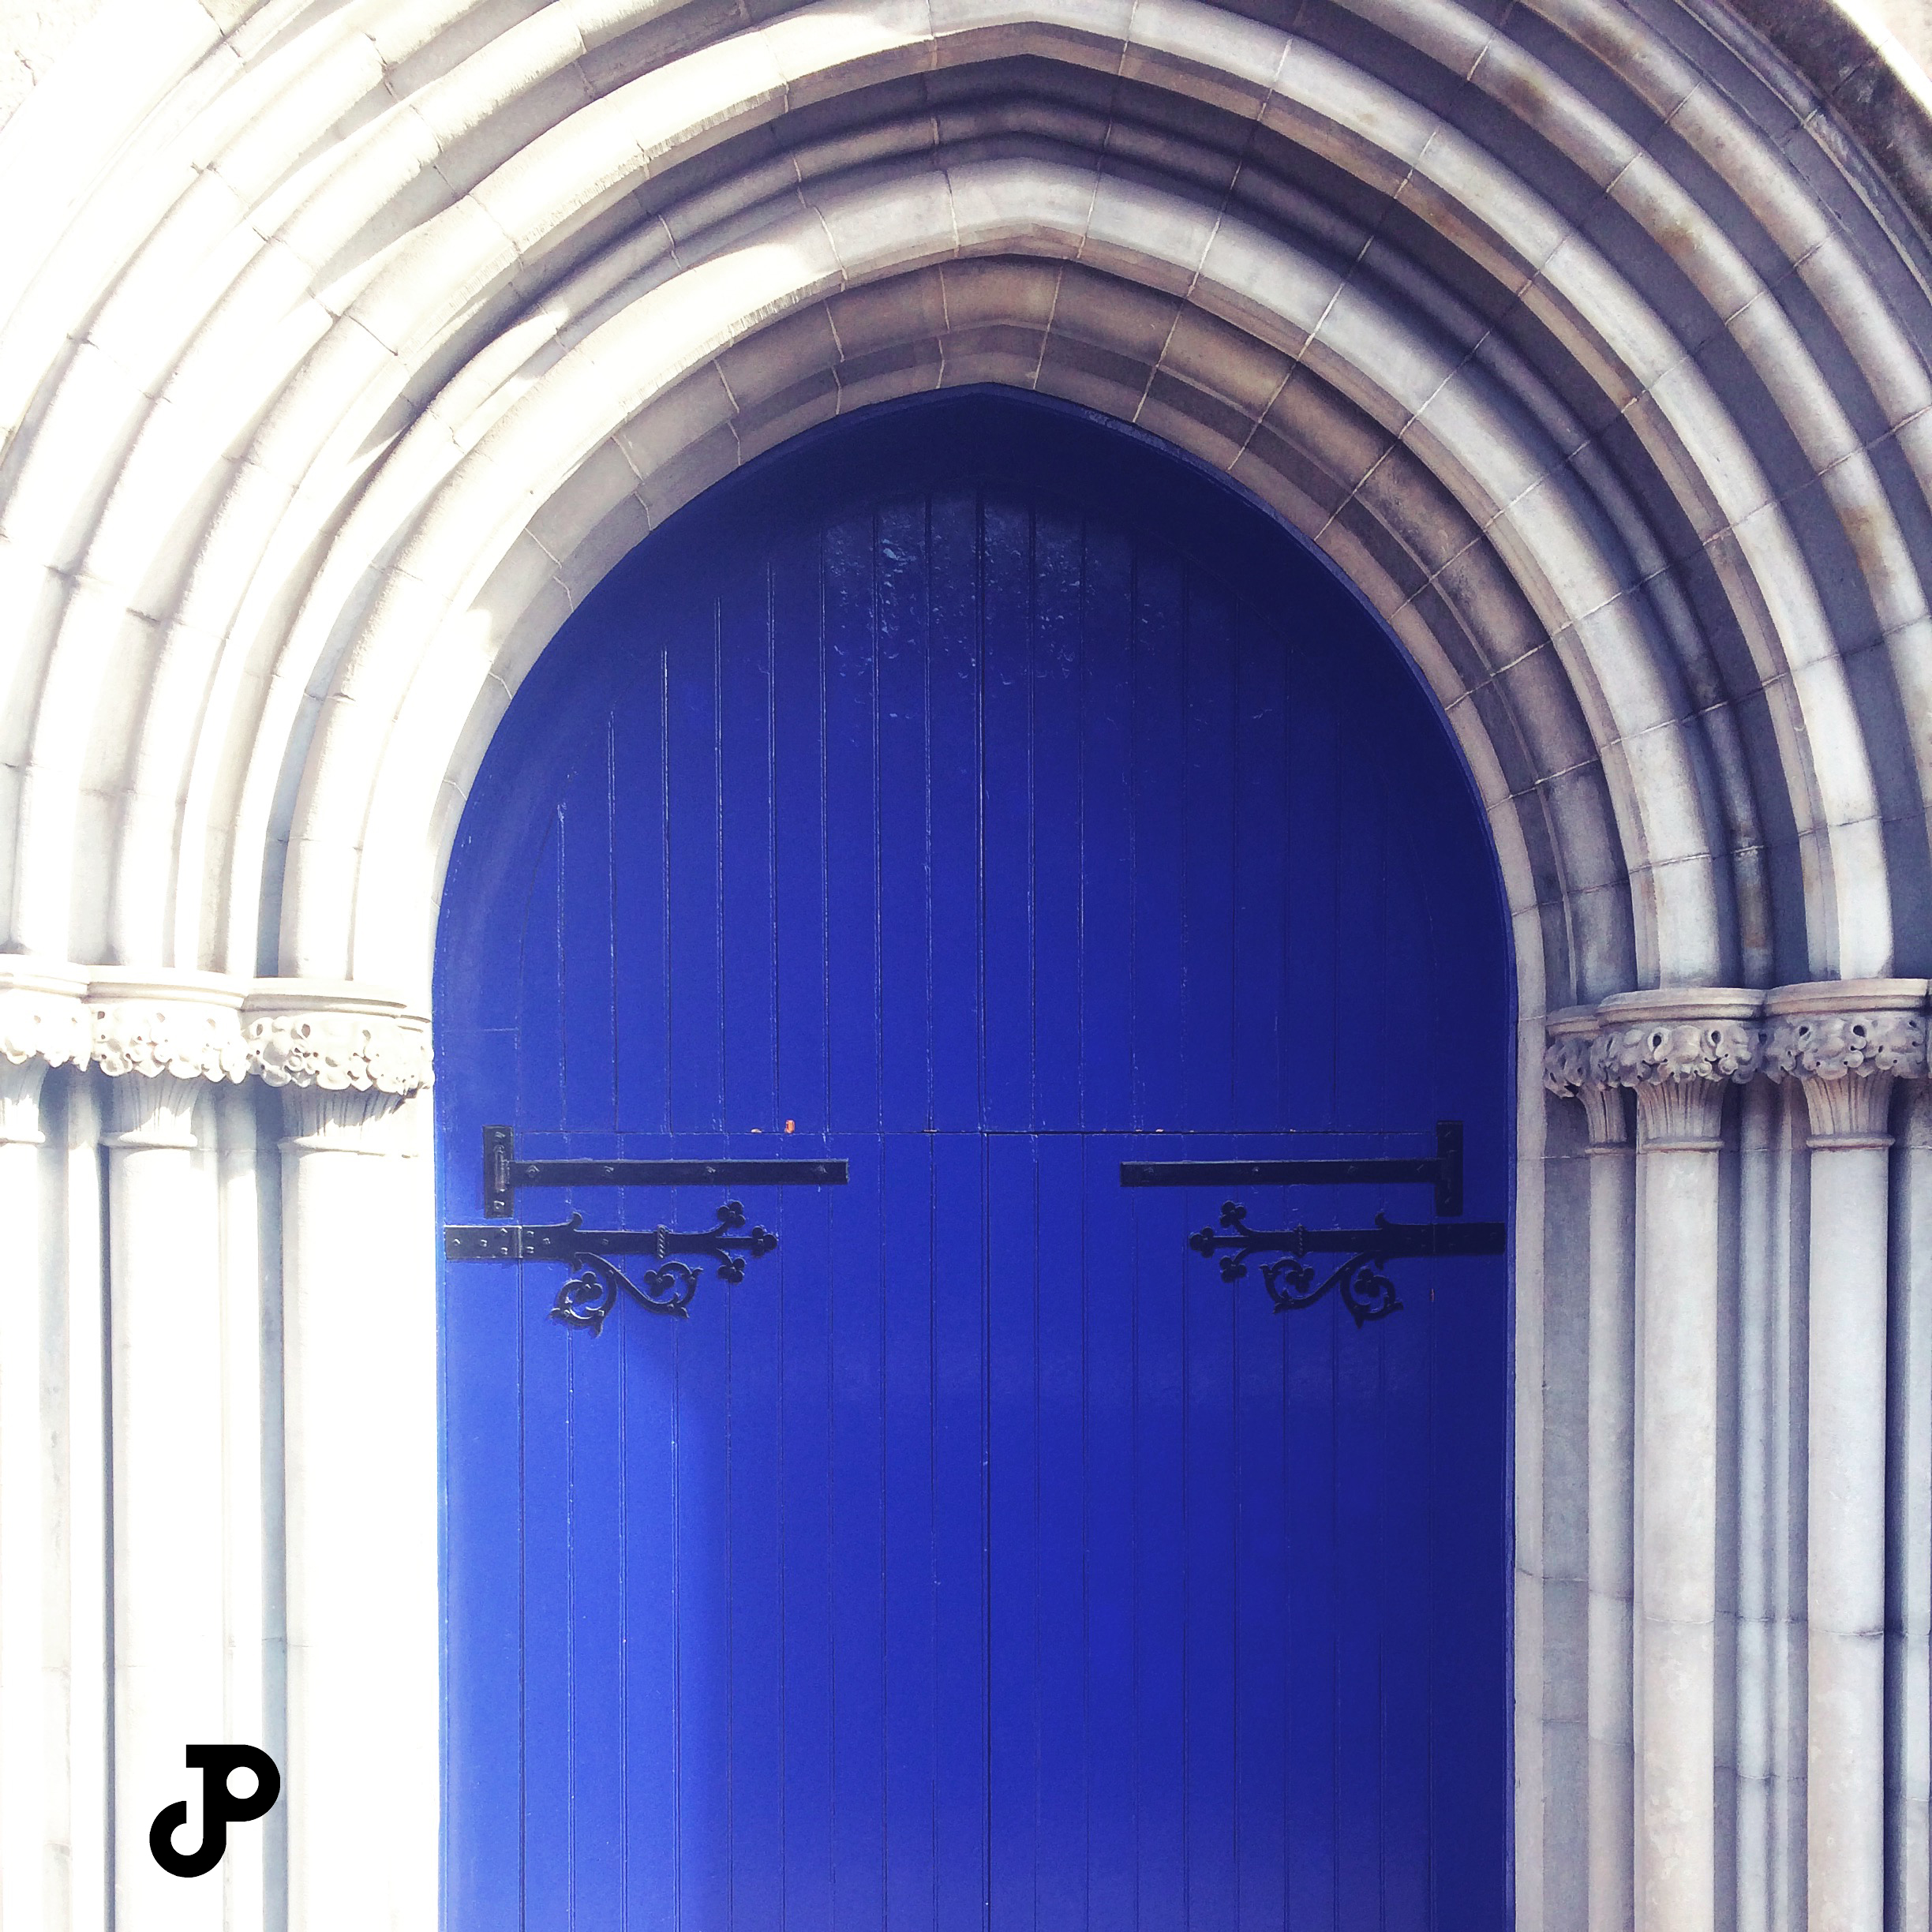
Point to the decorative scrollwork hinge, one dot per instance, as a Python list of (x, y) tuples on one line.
[(1366, 1290), (596, 1281)]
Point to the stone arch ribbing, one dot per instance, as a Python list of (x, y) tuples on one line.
[(325, 263)]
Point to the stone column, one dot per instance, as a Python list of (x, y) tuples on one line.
[(251, 1872), (80, 1265), (1847, 1041), (1769, 1346), (1908, 1424), (1679, 1049), (42, 1022), (359, 1360), (1573, 1067), (162, 1041)]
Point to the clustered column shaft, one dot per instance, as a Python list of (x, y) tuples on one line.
[(1681, 1050)]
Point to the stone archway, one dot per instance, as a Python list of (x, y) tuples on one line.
[(354, 342)]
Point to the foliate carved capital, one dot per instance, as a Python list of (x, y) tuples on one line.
[(1679, 1049), (341, 1052), (1711, 1051), (1846, 1042), (331, 1035), (347, 1058), (43, 1021), (1571, 1071), (1838, 1046), (187, 1027)]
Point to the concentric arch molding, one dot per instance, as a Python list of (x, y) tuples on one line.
[(332, 1036)]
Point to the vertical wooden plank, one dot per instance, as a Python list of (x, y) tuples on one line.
[(961, 1712), (652, 1607), (568, 1451), (1012, 1528), (1314, 1798), (747, 809), (1469, 1661), (799, 844), (543, 1586), (914, 1664), (1370, 1074), (701, 1541), (1108, 861), (640, 887), (540, 1014), (904, 815), (586, 997), (1006, 807), (1056, 691), (641, 1461), (546, 1612), (857, 1554), (1260, 888), (1111, 1294), (852, 850), (595, 1425), (1403, 1431), (1313, 752), (1208, 737), (1160, 1567), (954, 780), (1359, 1634), (695, 923), (1265, 1767), (754, 1311), (1060, 1558), (809, 1714), (1159, 959), (1210, 1685)]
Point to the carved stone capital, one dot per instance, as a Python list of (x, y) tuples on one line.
[(1571, 1071), (1679, 1049), (43, 1017), (1846, 1041), (331, 1035), (186, 1025), (338, 1039)]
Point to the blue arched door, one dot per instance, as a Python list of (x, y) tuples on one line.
[(981, 797)]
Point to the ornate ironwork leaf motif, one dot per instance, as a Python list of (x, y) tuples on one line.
[(1360, 1279), (591, 1290), (1366, 1291)]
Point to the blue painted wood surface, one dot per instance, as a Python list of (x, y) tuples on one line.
[(982, 795)]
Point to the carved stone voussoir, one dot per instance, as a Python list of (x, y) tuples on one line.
[(341, 1052)]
